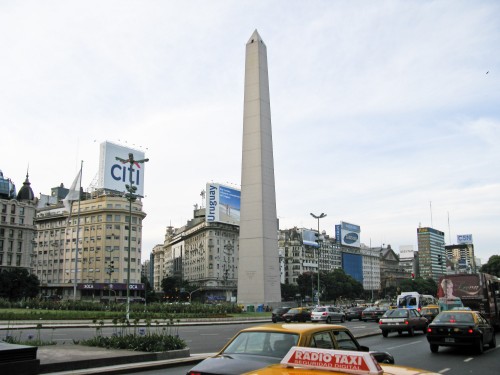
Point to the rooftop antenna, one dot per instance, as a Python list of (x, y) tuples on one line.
[(430, 205), (449, 230)]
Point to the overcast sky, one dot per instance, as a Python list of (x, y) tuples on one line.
[(384, 114)]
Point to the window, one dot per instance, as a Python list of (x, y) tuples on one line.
[(322, 340), (345, 341)]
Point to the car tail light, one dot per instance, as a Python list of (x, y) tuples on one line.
[(470, 330), (194, 373), (324, 314), (407, 322), (429, 330)]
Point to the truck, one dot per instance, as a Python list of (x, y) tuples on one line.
[(478, 291)]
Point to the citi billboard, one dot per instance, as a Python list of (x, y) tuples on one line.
[(222, 204), (348, 234), (114, 174)]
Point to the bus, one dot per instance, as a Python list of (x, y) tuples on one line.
[(415, 300)]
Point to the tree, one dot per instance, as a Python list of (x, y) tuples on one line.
[(289, 292), (493, 266), (17, 283)]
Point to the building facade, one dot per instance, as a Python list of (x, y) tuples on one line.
[(17, 229), (85, 255), (202, 253), (462, 258), (431, 253)]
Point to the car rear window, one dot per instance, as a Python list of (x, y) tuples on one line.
[(273, 344), (454, 318)]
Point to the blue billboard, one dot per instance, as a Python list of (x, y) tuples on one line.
[(223, 204), (352, 264)]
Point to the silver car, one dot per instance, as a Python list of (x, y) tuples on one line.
[(327, 314)]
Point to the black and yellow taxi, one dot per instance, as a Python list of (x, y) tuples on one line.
[(461, 328), (429, 312), (314, 361), (259, 346)]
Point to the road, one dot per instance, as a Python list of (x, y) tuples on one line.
[(413, 352), (408, 351)]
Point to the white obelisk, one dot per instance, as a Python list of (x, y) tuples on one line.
[(258, 267)]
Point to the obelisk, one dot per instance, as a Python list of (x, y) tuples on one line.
[(258, 266)]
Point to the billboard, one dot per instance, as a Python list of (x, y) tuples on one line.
[(309, 237), (464, 238), (114, 174), (406, 252), (222, 204), (348, 234)]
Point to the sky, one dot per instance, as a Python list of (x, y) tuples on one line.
[(385, 114)]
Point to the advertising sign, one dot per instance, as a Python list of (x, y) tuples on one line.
[(309, 237), (464, 238), (114, 174), (336, 361), (348, 234), (222, 204), (406, 252)]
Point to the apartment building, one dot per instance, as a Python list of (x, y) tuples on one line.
[(86, 255)]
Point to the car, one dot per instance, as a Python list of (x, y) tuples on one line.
[(259, 346), (461, 328), (297, 314), (372, 313), (277, 314), (354, 313), (300, 361), (327, 314), (430, 312), (402, 320)]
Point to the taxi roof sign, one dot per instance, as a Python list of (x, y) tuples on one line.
[(351, 362)]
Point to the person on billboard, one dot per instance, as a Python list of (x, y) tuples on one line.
[(447, 286)]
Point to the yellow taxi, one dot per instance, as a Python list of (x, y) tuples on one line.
[(314, 361), (259, 346), (429, 312)]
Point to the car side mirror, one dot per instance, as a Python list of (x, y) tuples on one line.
[(383, 357)]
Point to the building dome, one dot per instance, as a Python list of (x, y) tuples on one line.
[(26, 193)]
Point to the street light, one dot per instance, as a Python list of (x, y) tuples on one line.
[(131, 197), (318, 217)]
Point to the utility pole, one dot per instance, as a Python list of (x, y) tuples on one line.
[(131, 197), (319, 243)]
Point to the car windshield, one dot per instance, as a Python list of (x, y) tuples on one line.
[(293, 311), (451, 317), (396, 313), (271, 344)]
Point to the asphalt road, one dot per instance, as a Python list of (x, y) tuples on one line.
[(408, 351), (413, 352)]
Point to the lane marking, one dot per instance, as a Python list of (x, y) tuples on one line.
[(468, 359), (444, 370), (400, 346), (209, 334)]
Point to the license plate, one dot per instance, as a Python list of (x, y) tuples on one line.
[(449, 339)]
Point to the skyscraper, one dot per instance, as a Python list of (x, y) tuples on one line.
[(258, 268), (431, 253)]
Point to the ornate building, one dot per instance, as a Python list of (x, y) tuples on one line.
[(17, 231)]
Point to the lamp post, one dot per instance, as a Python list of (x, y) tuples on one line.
[(318, 217), (131, 197)]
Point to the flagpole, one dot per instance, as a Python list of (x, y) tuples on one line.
[(77, 232)]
